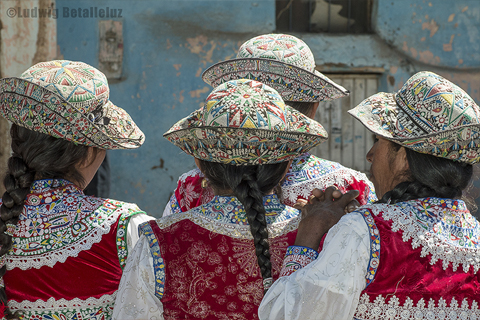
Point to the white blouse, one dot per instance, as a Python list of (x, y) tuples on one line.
[(330, 286), (136, 295)]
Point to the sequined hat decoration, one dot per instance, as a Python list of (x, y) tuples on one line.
[(429, 115), (68, 100), (245, 122), (282, 62)]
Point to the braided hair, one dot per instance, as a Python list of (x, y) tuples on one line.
[(249, 184), (429, 176), (34, 156)]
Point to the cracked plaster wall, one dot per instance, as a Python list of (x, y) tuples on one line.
[(167, 45)]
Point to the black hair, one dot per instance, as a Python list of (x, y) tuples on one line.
[(301, 106), (429, 176), (249, 184), (34, 156)]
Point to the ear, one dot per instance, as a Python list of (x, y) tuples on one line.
[(401, 160), (286, 170), (314, 110), (88, 160), (197, 163)]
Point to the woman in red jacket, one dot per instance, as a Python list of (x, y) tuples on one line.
[(62, 252)]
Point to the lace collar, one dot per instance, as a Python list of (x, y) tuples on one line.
[(443, 228)]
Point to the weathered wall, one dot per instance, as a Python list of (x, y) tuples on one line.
[(25, 40), (410, 36), (441, 36), (167, 44)]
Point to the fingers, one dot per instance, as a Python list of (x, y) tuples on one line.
[(352, 206), (330, 191), (300, 204), (337, 194), (318, 193), (348, 197)]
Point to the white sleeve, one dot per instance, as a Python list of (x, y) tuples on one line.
[(132, 229), (168, 208), (329, 286), (136, 295)]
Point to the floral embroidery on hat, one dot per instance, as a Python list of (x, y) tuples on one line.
[(281, 61), (68, 100), (245, 122), (429, 115)]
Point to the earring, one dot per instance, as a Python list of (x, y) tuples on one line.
[(204, 183)]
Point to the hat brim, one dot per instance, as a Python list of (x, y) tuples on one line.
[(382, 115), (245, 146), (293, 83), (34, 107)]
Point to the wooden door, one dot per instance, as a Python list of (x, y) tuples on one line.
[(349, 141)]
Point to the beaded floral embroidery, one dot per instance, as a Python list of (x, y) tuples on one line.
[(68, 100), (219, 214), (297, 257), (282, 61), (211, 250), (443, 228), (374, 245), (308, 172), (244, 122), (59, 221)]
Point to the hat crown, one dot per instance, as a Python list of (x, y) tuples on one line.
[(280, 47), (83, 86), (436, 104), (244, 104)]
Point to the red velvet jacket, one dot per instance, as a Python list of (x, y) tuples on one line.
[(425, 261), (68, 253)]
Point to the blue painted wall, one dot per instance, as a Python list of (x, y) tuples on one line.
[(167, 44)]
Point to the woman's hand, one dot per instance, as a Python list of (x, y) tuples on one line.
[(322, 212)]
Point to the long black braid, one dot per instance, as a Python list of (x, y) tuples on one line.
[(429, 176), (35, 156), (249, 184)]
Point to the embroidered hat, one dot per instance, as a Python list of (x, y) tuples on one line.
[(68, 100), (281, 61), (429, 115), (245, 122)]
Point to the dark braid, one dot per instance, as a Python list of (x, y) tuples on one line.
[(35, 156), (249, 184), (430, 176)]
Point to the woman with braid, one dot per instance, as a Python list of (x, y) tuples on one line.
[(286, 64), (62, 252), (217, 260), (414, 254)]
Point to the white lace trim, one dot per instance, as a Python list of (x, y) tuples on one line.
[(340, 178), (380, 309), (40, 305), (192, 173), (71, 250), (431, 243), (229, 229)]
